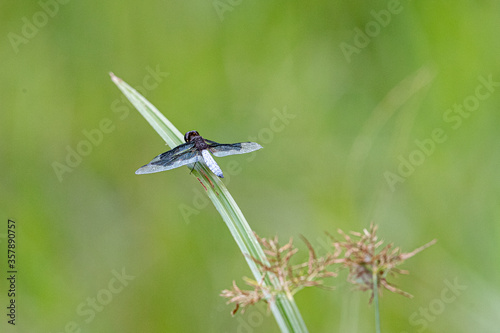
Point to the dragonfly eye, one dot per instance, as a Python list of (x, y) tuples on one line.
[(189, 135)]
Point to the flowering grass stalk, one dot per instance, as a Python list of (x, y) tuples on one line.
[(370, 264), (283, 308), (292, 277)]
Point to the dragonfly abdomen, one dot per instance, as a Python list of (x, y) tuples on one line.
[(210, 162)]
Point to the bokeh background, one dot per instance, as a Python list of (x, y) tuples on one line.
[(336, 92)]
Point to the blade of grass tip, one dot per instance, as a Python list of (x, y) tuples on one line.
[(172, 136), (284, 309)]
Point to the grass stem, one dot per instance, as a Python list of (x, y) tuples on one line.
[(375, 302)]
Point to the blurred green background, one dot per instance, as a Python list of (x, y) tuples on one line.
[(336, 92)]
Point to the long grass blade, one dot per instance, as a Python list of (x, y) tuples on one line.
[(284, 309)]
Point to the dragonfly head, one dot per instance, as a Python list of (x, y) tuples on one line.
[(190, 135)]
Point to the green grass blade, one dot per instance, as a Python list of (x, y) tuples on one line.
[(284, 309)]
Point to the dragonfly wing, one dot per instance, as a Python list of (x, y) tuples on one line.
[(222, 149), (179, 156)]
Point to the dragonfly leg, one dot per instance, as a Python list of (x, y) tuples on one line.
[(193, 167)]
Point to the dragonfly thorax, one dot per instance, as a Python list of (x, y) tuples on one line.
[(197, 139)]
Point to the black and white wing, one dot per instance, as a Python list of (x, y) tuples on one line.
[(179, 156), (225, 149)]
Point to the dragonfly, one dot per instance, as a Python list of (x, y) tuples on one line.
[(197, 149)]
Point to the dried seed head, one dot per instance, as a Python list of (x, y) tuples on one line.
[(288, 278), (365, 259)]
